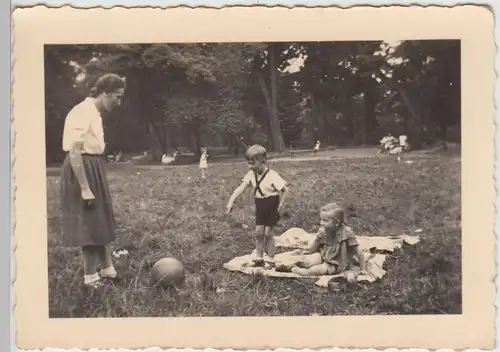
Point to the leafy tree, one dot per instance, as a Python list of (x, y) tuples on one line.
[(276, 94)]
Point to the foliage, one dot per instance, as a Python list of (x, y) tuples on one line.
[(218, 93)]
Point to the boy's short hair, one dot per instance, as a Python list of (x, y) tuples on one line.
[(256, 152)]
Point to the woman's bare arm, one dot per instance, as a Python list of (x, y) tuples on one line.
[(76, 161)]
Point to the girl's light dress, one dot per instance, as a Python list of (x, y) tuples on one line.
[(203, 161)]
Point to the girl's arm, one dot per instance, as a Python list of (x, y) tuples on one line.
[(237, 192), (316, 242), (313, 246)]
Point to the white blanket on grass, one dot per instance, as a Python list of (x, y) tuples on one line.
[(298, 240)]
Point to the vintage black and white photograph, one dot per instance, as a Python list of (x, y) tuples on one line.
[(317, 176), (254, 179)]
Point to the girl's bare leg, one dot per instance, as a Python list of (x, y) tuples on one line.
[(316, 270), (305, 262), (310, 260)]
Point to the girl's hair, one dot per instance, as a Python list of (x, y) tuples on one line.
[(256, 152), (334, 211), (107, 84)]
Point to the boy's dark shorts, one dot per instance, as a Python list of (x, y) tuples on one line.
[(266, 211)]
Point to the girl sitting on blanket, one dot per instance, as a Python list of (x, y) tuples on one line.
[(332, 248)]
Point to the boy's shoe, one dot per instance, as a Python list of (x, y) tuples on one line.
[(259, 263), (271, 263)]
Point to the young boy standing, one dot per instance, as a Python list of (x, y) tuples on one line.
[(269, 194)]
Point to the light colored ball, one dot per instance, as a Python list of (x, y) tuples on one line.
[(168, 272)]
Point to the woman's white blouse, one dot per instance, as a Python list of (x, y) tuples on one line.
[(84, 124)]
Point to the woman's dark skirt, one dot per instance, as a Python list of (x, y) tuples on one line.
[(83, 226)]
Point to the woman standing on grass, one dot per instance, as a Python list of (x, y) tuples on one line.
[(87, 212)]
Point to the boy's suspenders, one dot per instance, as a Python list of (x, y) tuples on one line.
[(258, 182)]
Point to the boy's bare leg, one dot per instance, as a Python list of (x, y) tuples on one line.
[(259, 241), (270, 243)]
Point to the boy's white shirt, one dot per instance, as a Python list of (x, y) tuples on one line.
[(271, 185)]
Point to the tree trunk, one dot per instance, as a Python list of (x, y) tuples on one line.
[(267, 98), (157, 142), (326, 131), (171, 143), (269, 130), (236, 147), (197, 141), (270, 96), (370, 114), (347, 114), (166, 137), (278, 144), (442, 127), (240, 145), (416, 131), (311, 122), (229, 140)]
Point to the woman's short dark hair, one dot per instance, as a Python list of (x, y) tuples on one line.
[(106, 84)]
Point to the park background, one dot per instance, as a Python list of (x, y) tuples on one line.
[(348, 95), (281, 95)]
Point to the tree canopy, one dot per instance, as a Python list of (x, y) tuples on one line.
[(276, 94)]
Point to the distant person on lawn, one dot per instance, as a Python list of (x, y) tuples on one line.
[(316, 147), (203, 162), (87, 212)]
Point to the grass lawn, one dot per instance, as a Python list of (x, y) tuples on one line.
[(171, 212)]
